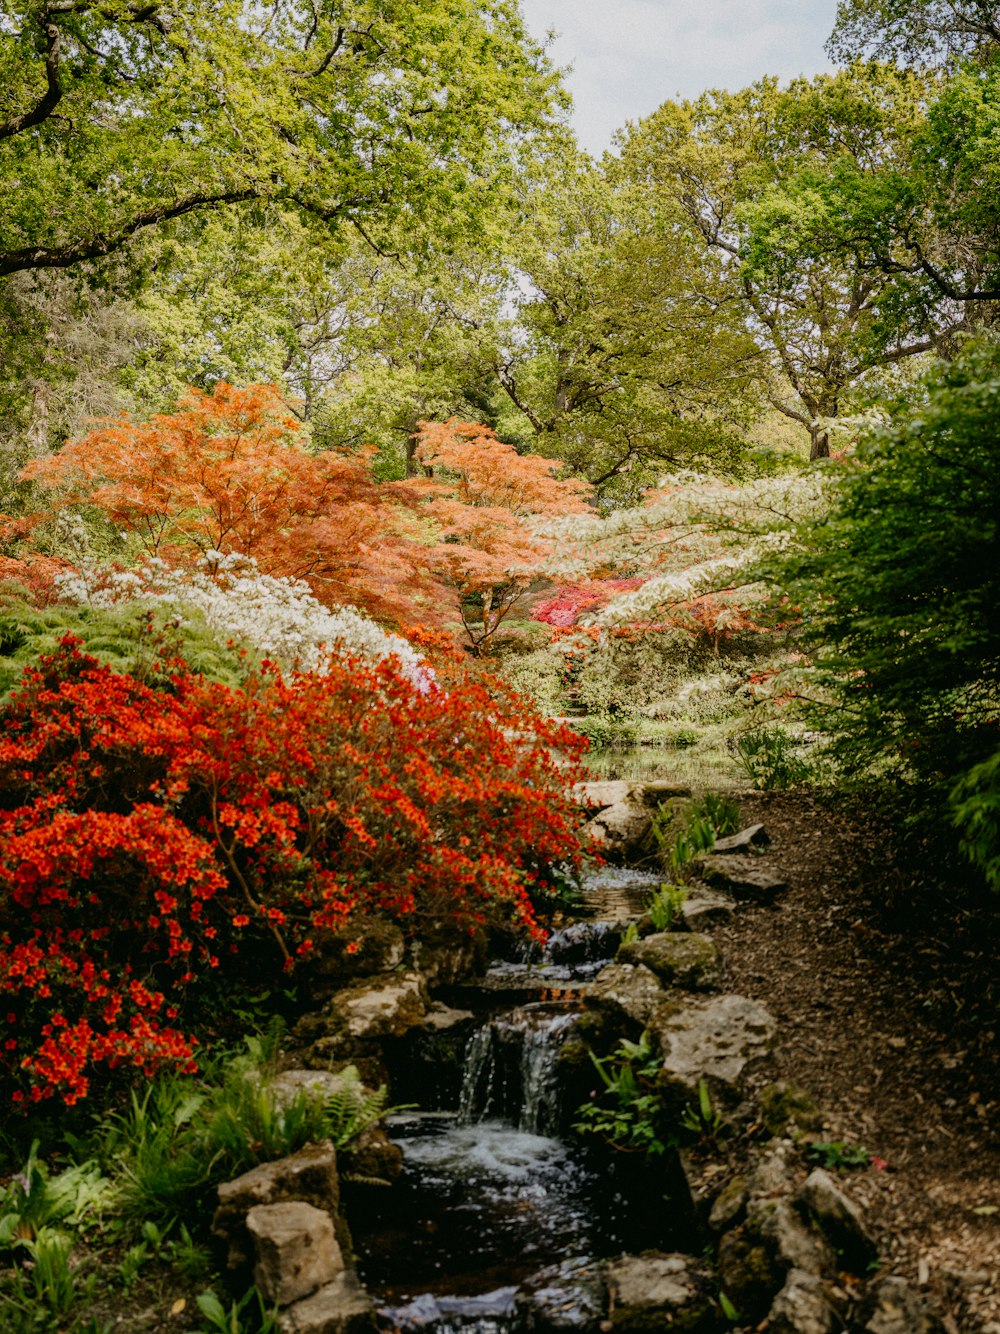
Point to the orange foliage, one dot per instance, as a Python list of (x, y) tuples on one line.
[(227, 472), (482, 492)]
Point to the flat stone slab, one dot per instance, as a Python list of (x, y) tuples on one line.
[(743, 877), (717, 1039), (703, 908), (754, 836), (659, 1291)]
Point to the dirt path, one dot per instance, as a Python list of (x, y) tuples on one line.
[(887, 1015)]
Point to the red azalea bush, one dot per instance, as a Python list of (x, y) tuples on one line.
[(161, 844)]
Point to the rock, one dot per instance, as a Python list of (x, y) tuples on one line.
[(748, 1273), (341, 1307), (372, 1157), (783, 1106), (802, 1307), (839, 1219), (567, 1296), (296, 1251), (893, 1307), (657, 1291), (792, 1243), (372, 1009), (625, 990), (586, 942), (728, 1205), (309, 1175), (443, 1018), (702, 908), (771, 1177), (377, 947), (621, 830), (660, 790), (681, 959), (287, 1086), (754, 836), (718, 1039), (601, 794), (743, 877), (452, 963)]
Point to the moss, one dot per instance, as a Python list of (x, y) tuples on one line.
[(748, 1273), (787, 1106)]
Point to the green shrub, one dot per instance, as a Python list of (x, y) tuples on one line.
[(767, 757)]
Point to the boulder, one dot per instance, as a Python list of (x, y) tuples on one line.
[(743, 877), (385, 1006), (754, 836), (621, 830), (309, 1175), (718, 1039), (893, 1307), (295, 1249), (601, 794), (785, 1107), (442, 1018), (791, 1241), (660, 1291), (802, 1307), (839, 1219), (626, 991), (680, 959), (701, 908), (340, 1307)]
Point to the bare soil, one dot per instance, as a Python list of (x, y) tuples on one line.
[(880, 966)]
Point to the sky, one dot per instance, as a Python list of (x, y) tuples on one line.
[(628, 56)]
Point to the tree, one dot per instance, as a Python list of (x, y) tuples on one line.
[(753, 172), (483, 495), (226, 473), (915, 31), (898, 586), (120, 115), (623, 358)]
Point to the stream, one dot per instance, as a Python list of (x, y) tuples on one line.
[(499, 1219)]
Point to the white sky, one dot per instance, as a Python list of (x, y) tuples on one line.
[(628, 56)]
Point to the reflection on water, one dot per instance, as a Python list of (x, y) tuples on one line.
[(698, 768)]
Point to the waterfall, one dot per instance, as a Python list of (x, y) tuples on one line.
[(510, 1069)]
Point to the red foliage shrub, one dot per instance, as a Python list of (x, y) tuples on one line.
[(162, 845)]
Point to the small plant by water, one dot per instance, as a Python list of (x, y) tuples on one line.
[(664, 907), (628, 1114), (767, 757)]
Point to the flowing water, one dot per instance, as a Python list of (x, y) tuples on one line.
[(494, 1213)]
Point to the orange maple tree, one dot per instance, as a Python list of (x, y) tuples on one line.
[(227, 472), (482, 494)]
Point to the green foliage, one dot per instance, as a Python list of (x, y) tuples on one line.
[(248, 1315), (899, 586), (721, 812), (629, 1114), (132, 639), (665, 905), (702, 1119), (767, 757), (837, 1154), (975, 803)]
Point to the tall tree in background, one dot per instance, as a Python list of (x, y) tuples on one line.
[(753, 172), (915, 32)]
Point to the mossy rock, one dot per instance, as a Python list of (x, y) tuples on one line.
[(785, 1107), (748, 1273), (682, 959)]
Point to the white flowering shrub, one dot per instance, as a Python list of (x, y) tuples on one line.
[(276, 618)]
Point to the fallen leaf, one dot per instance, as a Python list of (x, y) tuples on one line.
[(178, 1306), (985, 1210)]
